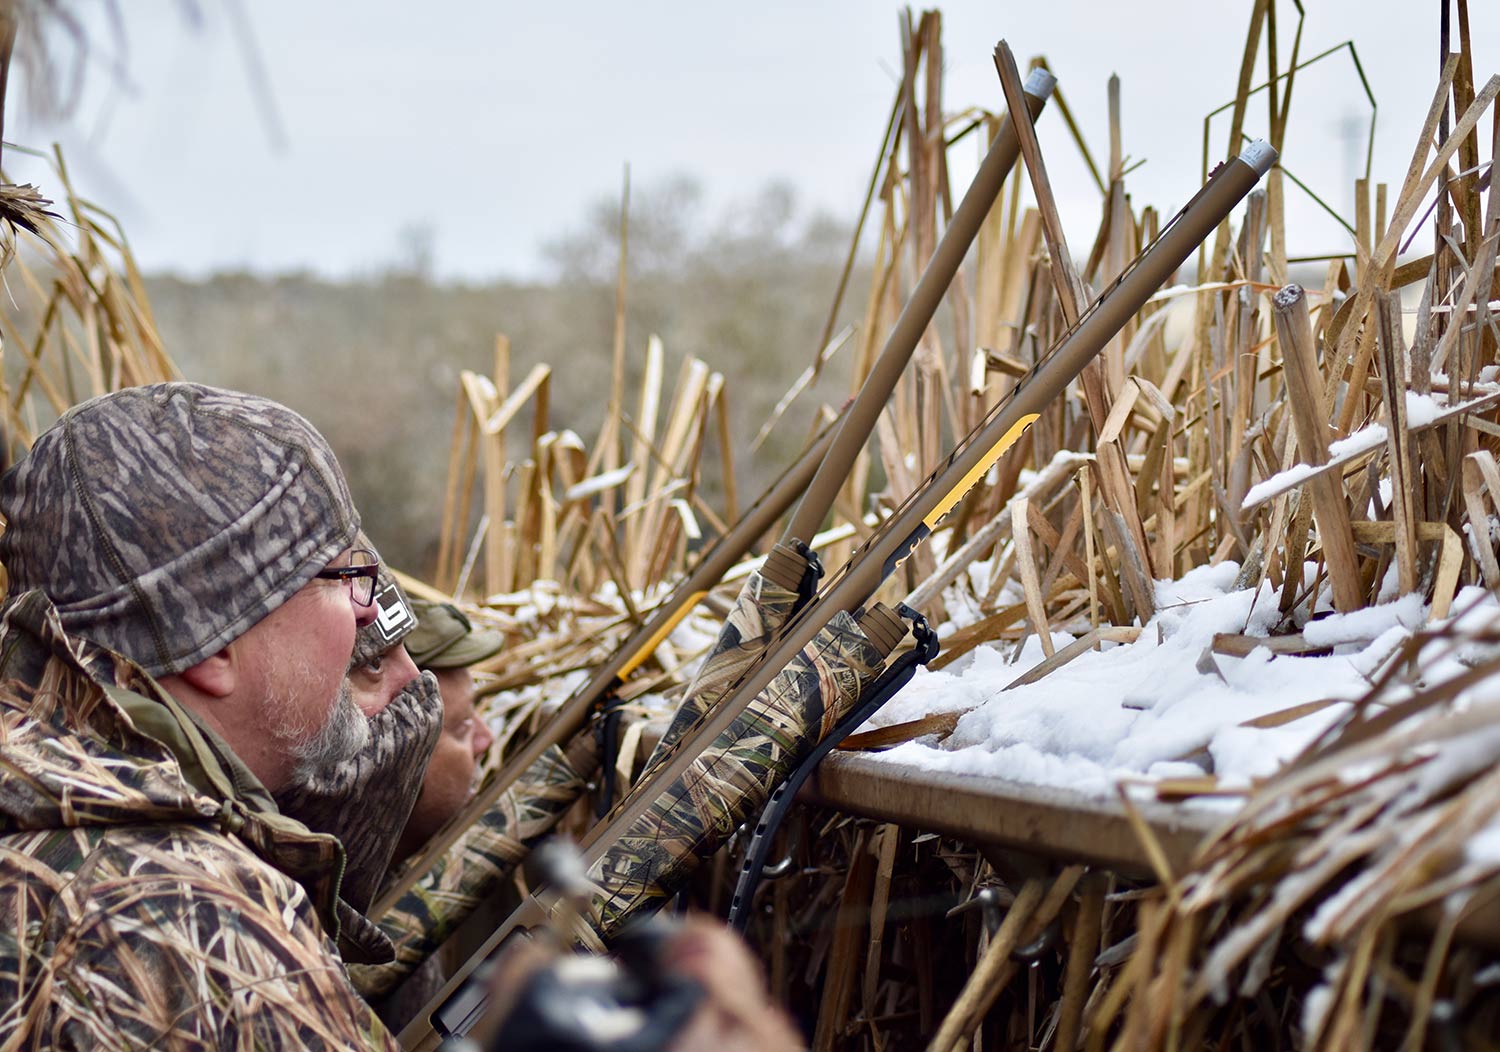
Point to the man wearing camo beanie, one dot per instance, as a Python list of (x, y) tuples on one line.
[(184, 593)]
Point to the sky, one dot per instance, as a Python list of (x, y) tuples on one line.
[(493, 126)]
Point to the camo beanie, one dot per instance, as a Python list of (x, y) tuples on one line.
[(165, 521)]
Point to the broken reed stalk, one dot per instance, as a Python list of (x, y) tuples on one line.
[(536, 507), (1299, 362)]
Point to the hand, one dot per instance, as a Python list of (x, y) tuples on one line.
[(691, 986), (736, 1011)]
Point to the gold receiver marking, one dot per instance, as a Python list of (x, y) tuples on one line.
[(956, 494), (649, 646)]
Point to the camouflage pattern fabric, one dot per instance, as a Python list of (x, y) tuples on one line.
[(164, 521), (365, 800), (735, 775), (476, 866), (398, 1008), (478, 863), (152, 897), (394, 622), (765, 603)]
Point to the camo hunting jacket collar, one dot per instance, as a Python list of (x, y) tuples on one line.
[(111, 747)]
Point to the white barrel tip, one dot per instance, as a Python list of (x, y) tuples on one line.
[(1259, 155), (1039, 83)]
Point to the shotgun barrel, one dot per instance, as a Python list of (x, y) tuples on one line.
[(858, 421)]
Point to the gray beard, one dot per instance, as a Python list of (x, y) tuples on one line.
[(342, 735), (365, 799)]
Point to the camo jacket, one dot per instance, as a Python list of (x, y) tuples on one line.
[(150, 893)]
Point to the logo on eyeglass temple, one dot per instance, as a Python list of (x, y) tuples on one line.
[(395, 616)]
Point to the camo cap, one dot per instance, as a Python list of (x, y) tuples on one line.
[(165, 521), (446, 638)]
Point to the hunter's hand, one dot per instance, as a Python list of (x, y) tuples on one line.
[(688, 987), (736, 1012)]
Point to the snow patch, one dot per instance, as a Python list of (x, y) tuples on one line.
[(1166, 705)]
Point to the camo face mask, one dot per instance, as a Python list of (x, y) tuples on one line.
[(365, 800)]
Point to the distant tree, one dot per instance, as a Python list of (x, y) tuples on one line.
[(374, 362), (416, 251), (665, 218)]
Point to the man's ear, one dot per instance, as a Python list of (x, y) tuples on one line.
[(216, 676)]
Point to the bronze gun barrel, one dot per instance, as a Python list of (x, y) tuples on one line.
[(859, 420)]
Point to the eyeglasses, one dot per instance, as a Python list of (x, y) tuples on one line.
[(359, 574)]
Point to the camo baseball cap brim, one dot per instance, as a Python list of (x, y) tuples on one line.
[(446, 638), (165, 521)]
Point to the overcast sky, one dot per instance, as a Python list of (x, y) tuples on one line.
[(495, 124)]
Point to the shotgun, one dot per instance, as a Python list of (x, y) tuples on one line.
[(841, 440), (634, 822)]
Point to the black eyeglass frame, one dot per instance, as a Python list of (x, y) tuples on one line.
[(352, 574)]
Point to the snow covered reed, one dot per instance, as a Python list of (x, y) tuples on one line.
[(1357, 884)]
